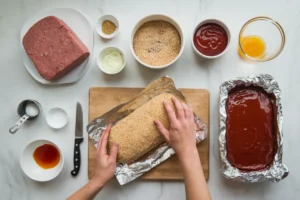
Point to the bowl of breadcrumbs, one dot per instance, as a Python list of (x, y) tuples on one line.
[(157, 41)]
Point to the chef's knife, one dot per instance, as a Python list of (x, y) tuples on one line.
[(78, 139)]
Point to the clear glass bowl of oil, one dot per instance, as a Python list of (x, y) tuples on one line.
[(261, 39)]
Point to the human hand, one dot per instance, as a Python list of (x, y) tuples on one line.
[(181, 135), (105, 164)]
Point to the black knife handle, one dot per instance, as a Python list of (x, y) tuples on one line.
[(76, 158)]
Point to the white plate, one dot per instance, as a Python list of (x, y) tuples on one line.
[(32, 169), (81, 27)]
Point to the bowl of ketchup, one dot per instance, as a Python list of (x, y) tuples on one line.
[(41, 160), (211, 38)]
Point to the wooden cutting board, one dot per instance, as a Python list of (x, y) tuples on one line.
[(102, 100)]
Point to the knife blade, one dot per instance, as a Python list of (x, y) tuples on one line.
[(78, 139)]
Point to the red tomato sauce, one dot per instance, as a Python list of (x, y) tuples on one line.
[(210, 39), (251, 128)]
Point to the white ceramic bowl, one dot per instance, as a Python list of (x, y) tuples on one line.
[(214, 21), (99, 26), (57, 118), (32, 169), (154, 18), (99, 59)]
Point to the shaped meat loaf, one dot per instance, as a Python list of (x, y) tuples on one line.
[(54, 48), (251, 128), (137, 134)]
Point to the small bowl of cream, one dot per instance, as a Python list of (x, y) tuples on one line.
[(111, 60)]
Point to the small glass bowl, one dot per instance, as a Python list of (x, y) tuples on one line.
[(269, 31)]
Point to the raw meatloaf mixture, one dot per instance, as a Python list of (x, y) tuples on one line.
[(54, 48), (251, 128), (137, 134)]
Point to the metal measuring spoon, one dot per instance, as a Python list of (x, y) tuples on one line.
[(28, 110)]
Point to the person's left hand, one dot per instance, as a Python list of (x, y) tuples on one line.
[(105, 164)]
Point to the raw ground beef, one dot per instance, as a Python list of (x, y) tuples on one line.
[(54, 48)]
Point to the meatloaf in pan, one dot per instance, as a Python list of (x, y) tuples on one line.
[(54, 48), (251, 132)]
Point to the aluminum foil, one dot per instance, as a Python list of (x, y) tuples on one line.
[(126, 173), (276, 171)]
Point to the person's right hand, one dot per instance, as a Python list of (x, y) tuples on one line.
[(181, 135), (105, 164)]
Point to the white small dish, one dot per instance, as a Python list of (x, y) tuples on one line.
[(57, 118), (213, 21), (155, 17), (32, 169), (99, 59), (99, 26)]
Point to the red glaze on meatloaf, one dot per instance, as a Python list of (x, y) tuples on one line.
[(251, 130), (54, 48)]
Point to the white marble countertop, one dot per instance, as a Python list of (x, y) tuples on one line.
[(189, 71)]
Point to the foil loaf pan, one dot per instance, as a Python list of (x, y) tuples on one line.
[(277, 170), (126, 173)]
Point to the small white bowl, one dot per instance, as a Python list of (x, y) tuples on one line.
[(99, 26), (32, 169), (213, 21), (57, 118), (156, 17), (99, 59)]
